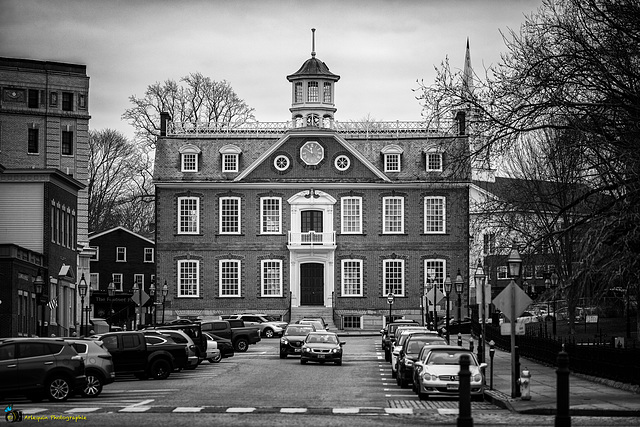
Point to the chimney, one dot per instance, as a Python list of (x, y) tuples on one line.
[(164, 118), (462, 125)]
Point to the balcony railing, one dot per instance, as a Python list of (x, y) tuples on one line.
[(312, 238)]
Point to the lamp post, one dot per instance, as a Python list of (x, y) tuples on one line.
[(547, 286), (82, 289), (515, 263), (447, 291), (87, 309), (554, 284), (38, 283), (152, 292), (459, 288), (165, 292), (479, 278), (111, 291), (390, 299)]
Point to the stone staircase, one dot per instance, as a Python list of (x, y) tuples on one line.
[(326, 313)]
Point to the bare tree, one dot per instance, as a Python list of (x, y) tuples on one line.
[(195, 98)]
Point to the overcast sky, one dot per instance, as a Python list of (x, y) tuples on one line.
[(379, 48)]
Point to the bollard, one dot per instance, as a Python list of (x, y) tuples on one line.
[(517, 369), (525, 384), (459, 339), (464, 388), (471, 345), (492, 352), (563, 419)]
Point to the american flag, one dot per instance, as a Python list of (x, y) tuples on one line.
[(53, 304)]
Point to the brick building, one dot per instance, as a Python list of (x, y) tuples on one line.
[(312, 216)]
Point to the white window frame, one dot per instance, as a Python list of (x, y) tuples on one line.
[(342, 162), (439, 269), (187, 279), (121, 250), (502, 272), (148, 251), (94, 280), (281, 163), (385, 276), (190, 218), (221, 278), (189, 162), (117, 280), (347, 226), (139, 279), (358, 282), (428, 155), (230, 162), (223, 216), (392, 162), (386, 229), (430, 218), (265, 223), (264, 267)]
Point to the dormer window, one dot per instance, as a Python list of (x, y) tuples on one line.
[(230, 158), (312, 92), (392, 158), (189, 154), (433, 160)]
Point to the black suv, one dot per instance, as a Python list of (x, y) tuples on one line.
[(194, 330), (39, 368)]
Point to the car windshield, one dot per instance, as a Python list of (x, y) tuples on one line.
[(448, 357), (322, 339), (415, 344), (298, 330)]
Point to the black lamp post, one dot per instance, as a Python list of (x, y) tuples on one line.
[(165, 292), (447, 291), (111, 291), (554, 284), (479, 278), (459, 288), (515, 264), (431, 284), (82, 289), (38, 283), (152, 293), (390, 300)]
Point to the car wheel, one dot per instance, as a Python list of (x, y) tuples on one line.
[(58, 389), (283, 355), (423, 396), (94, 386), (242, 345), (216, 359), (268, 333), (160, 369), (339, 362), (303, 362)]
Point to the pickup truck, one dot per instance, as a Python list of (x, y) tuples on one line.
[(234, 329), (131, 354)]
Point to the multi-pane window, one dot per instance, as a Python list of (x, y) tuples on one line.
[(229, 163), (67, 101), (138, 279), (121, 254), (502, 272), (351, 215), (326, 93), (148, 254), (393, 277), (352, 322), (312, 92), (190, 162), (434, 214), (229, 215), (116, 278), (188, 215), (489, 243), (393, 208), (434, 274), (392, 162), (229, 278), (434, 162), (33, 98), (351, 277), (272, 278), (298, 92), (270, 214), (188, 278), (67, 143), (528, 271)]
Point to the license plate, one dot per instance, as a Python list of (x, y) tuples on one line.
[(321, 356), (452, 386), (297, 350)]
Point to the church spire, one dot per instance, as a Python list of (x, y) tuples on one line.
[(467, 73)]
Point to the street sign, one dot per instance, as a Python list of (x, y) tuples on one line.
[(390, 298), (136, 297), (504, 301), (436, 294), (505, 328)]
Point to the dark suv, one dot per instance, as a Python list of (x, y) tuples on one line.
[(388, 333), (39, 368)]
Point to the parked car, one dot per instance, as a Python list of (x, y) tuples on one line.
[(409, 354), (388, 332), (437, 372), (224, 345), (317, 325), (325, 326), (39, 368), (268, 328), (98, 365), (194, 331), (241, 336), (180, 337), (397, 344), (213, 354), (293, 338), (321, 347)]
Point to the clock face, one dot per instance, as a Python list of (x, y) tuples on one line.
[(312, 153)]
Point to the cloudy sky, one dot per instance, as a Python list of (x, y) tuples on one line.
[(378, 47)]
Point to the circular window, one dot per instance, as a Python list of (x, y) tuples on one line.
[(281, 163), (342, 162)]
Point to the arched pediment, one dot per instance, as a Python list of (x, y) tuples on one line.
[(311, 196)]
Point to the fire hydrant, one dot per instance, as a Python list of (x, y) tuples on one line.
[(525, 384)]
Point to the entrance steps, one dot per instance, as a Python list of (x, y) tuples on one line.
[(303, 311)]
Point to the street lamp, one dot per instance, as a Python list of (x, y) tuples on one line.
[(479, 278), (82, 289), (554, 284), (152, 293), (38, 283), (390, 299), (111, 291), (547, 286), (431, 276), (514, 263), (165, 292), (459, 287), (447, 291)]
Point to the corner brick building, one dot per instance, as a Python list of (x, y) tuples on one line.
[(312, 216)]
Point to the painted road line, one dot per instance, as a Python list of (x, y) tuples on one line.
[(241, 410), (188, 409), (293, 410), (346, 410)]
